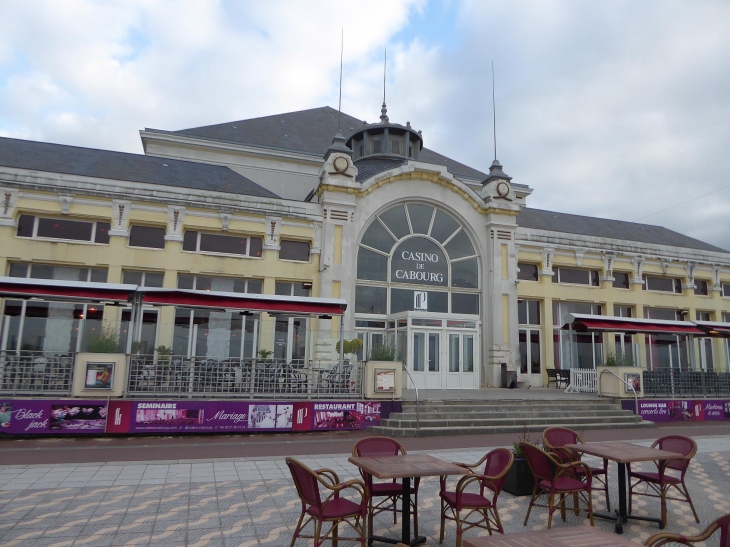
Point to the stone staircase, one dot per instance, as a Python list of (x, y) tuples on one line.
[(461, 417)]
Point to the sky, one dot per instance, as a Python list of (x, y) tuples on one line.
[(615, 109)]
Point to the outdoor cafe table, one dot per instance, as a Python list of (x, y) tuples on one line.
[(623, 453), (576, 536), (405, 467)]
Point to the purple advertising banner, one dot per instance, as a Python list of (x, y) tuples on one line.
[(675, 410), (57, 417), (50, 417)]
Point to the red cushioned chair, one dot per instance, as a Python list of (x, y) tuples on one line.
[(555, 439), (658, 484), (490, 483), (390, 491), (552, 477), (333, 509), (722, 524)]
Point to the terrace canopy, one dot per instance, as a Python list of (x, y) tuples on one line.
[(631, 325)]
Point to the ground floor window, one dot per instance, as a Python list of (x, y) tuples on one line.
[(585, 350), (215, 335), (54, 327), (290, 339), (148, 334), (666, 350), (707, 362)]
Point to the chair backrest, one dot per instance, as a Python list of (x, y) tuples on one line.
[(497, 465), (555, 437), (377, 446), (539, 461), (306, 482), (722, 524), (680, 444)]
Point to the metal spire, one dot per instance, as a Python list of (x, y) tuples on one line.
[(339, 106), (384, 109), (494, 115)]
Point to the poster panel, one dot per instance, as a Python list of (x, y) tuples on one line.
[(679, 410), (30, 416), (49, 416)]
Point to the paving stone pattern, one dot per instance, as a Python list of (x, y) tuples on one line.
[(253, 502)]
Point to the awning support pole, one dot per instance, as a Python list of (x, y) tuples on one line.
[(342, 339)]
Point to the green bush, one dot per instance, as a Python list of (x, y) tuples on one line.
[(382, 352), (107, 341), (351, 346)]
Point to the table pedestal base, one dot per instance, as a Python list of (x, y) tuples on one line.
[(405, 521)]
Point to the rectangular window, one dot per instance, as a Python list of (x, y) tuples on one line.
[(663, 284), (284, 288), (143, 279), (586, 349), (464, 303), (377, 146), (57, 228), (195, 241), (621, 280), (528, 312), (147, 236), (220, 284), (578, 277), (701, 287), (395, 147), (622, 311), (215, 335), (294, 250), (60, 273), (726, 289), (528, 272), (371, 299)]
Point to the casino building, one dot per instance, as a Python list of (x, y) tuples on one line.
[(446, 264)]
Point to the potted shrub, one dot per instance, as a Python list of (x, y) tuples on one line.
[(107, 341), (519, 480)]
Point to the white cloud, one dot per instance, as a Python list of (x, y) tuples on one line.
[(615, 109)]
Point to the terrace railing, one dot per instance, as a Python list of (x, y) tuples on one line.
[(684, 383), (243, 378), (36, 373)]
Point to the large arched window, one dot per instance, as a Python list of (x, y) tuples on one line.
[(416, 257)]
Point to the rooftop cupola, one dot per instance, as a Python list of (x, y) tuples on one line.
[(385, 139)]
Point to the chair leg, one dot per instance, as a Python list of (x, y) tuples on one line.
[(459, 530), (631, 492), (575, 503), (685, 493), (317, 530), (663, 496), (529, 507), (551, 498), (590, 508), (370, 515), (335, 530), (297, 530), (562, 506), (496, 519), (395, 508)]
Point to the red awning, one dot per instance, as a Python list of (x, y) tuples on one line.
[(48, 289), (718, 330), (598, 323), (295, 305)]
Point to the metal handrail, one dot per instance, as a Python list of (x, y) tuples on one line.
[(636, 398), (418, 421)]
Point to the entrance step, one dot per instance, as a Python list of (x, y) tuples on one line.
[(489, 417)]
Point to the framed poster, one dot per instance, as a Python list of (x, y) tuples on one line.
[(384, 380), (99, 375), (633, 379)]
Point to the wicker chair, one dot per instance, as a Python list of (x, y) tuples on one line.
[(557, 479), (722, 524), (555, 439), (390, 491), (658, 484), (333, 509), (496, 465)]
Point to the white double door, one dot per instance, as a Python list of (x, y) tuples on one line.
[(440, 359)]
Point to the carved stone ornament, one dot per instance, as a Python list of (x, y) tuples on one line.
[(579, 257), (638, 264), (690, 270), (273, 225), (609, 259), (225, 221), (8, 199), (66, 202), (665, 265), (175, 220), (120, 218), (716, 282), (547, 262)]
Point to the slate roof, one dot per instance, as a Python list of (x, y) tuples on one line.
[(552, 221), (309, 131), (90, 162), (368, 167)]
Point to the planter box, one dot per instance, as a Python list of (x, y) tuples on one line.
[(519, 481)]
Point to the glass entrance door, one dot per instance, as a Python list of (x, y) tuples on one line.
[(461, 361), (426, 359)]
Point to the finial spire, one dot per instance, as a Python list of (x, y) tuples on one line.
[(339, 106), (494, 116), (384, 109)]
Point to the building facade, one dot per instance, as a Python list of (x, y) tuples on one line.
[(440, 262)]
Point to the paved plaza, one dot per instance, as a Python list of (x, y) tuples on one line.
[(248, 502)]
